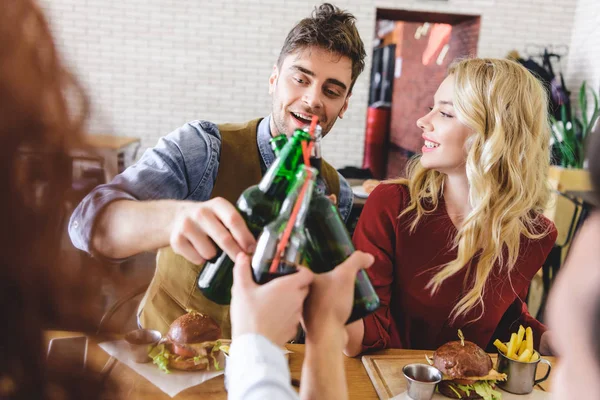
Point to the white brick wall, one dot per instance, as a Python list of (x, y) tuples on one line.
[(584, 52), (151, 65)]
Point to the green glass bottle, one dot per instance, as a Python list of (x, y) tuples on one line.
[(258, 205), (315, 156), (329, 243), (278, 143), (269, 240)]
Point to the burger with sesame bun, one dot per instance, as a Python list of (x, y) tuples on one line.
[(467, 372), (192, 344)]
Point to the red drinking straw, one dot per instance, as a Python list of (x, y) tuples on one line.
[(306, 150)]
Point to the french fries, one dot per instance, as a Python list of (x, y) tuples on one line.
[(501, 346), (512, 346), (529, 338), (520, 336), (525, 357), (520, 346)]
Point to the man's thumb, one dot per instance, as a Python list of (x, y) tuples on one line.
[(357, 261)]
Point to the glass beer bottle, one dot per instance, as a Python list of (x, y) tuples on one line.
[(258, 205), (278, 143), (269, 240), (329, 243)]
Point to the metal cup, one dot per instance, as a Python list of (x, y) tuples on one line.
[(520, 375), (421, 380), (140, 341)]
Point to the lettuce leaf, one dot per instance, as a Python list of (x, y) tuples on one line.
[(482, 388), (455, 391), (216, 362), (216, 346), (160, 356)]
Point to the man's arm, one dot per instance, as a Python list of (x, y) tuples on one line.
[(125, 227), (257, 369), (263, 319), (326, 311), (323, 375), (145, 207)]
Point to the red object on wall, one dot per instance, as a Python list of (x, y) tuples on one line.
[(376, 140)]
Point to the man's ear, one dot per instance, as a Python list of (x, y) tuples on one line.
[(344, 107), (273, 79)]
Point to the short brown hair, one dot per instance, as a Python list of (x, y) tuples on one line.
[(329, 28)]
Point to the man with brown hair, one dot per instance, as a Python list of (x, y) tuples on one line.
[(180, 193)]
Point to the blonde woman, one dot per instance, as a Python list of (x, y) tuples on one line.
[(457, 244)]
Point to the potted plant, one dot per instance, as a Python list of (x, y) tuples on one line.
[(570, 137)]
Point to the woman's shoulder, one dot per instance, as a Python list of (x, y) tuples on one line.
[(390, 194), (395, 189), (544, 226), (545, 234)]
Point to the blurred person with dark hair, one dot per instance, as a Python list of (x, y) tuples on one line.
[(181, 192), (574, 304), (38, 127)]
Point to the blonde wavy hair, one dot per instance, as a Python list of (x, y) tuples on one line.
[(507, 164)]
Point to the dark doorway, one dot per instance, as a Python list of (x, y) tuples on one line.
[(410, 61)]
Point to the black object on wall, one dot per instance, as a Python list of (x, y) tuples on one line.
[(382, 74)]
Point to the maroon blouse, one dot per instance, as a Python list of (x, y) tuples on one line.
[(409, 317)]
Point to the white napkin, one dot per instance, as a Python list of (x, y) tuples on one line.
[(535, 395), (172, 383)]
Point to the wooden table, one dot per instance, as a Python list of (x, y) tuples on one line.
[(130, 385)]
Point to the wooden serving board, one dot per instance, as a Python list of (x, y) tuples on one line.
[(385, 372)]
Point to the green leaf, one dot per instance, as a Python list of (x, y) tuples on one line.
[(563, 116), (483, 388), (595, 115), (160, 357), (486, 391), (583, 103), (564, 145), (595, 106)]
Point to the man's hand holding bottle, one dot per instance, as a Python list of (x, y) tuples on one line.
[(274, 309), (201, 229)]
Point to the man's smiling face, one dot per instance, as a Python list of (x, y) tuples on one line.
[(310, 81)]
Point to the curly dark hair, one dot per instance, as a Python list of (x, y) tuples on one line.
[(329, 28)]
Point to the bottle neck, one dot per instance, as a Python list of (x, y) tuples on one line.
[(315, 156), (306, 191), (304, 174), (278, 143), (280, 176)]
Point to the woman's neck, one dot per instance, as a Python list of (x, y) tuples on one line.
[(456, 197)]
